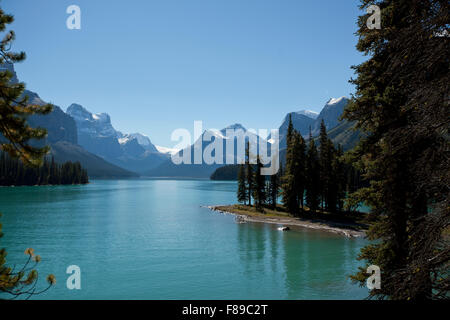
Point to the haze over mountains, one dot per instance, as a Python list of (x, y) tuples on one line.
[(91, 139)]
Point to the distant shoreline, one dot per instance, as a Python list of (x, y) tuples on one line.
[(350, 230)]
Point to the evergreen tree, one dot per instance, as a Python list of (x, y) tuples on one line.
[(289, 186), (290, 132), (14, 110), (14, 107), (332, 189), (259, 189), (312, 176), (249, 174), (299, 167), (339, 177), (14, 172), (401, 103), (274, 188), (325, 160), (242, 188)]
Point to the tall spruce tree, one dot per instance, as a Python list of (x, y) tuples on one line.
[(259, 189), (15, 134), (299, 149), (401, 103), (332, 189), (274, 188), (289, 187), (340, 178), (249, 174), (312, 179), (242, 188), (14, 107), (290, 132), (325, 160)]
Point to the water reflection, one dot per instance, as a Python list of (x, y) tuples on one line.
[(154, 238), (309, 264)]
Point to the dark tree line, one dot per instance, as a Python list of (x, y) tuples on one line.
[(14, 172), (314, 178)]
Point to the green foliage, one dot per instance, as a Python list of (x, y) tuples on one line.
[(242, 195), (259, 190), (326, 169), (339, 179), (249, 175), (14, 111), (14, 173), (312, 176), (290, 184), (14, 107), (22, 282), (401, 104), (320, 177), (299, 167), (273, 188)]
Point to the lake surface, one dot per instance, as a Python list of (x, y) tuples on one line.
[(150, 239)]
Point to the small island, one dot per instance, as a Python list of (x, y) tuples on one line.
[(349, 225), (314, 187)]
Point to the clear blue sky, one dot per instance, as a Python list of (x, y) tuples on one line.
[(155, 66)]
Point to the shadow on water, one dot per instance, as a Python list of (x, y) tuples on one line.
[(302, 263), (317, 265)]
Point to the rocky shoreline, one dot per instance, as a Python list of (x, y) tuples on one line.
[(318, 224)]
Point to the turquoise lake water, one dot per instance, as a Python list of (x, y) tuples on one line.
[(151, 239)]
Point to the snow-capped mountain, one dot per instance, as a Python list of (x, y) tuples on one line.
[(236, 131), (141, 139), (330, 114), (309, 113), (134, 152), (98, 125), (304, 121), (204, 144), (166, 150)]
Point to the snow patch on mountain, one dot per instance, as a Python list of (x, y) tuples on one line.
[(309, 113), (142, 140), (92, 124), (166, 150), (99, 125), (336, 100)]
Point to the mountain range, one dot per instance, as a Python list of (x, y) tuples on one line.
[(91, 139), (63, 139), (134, 152), (234, 134), (304, 121)]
